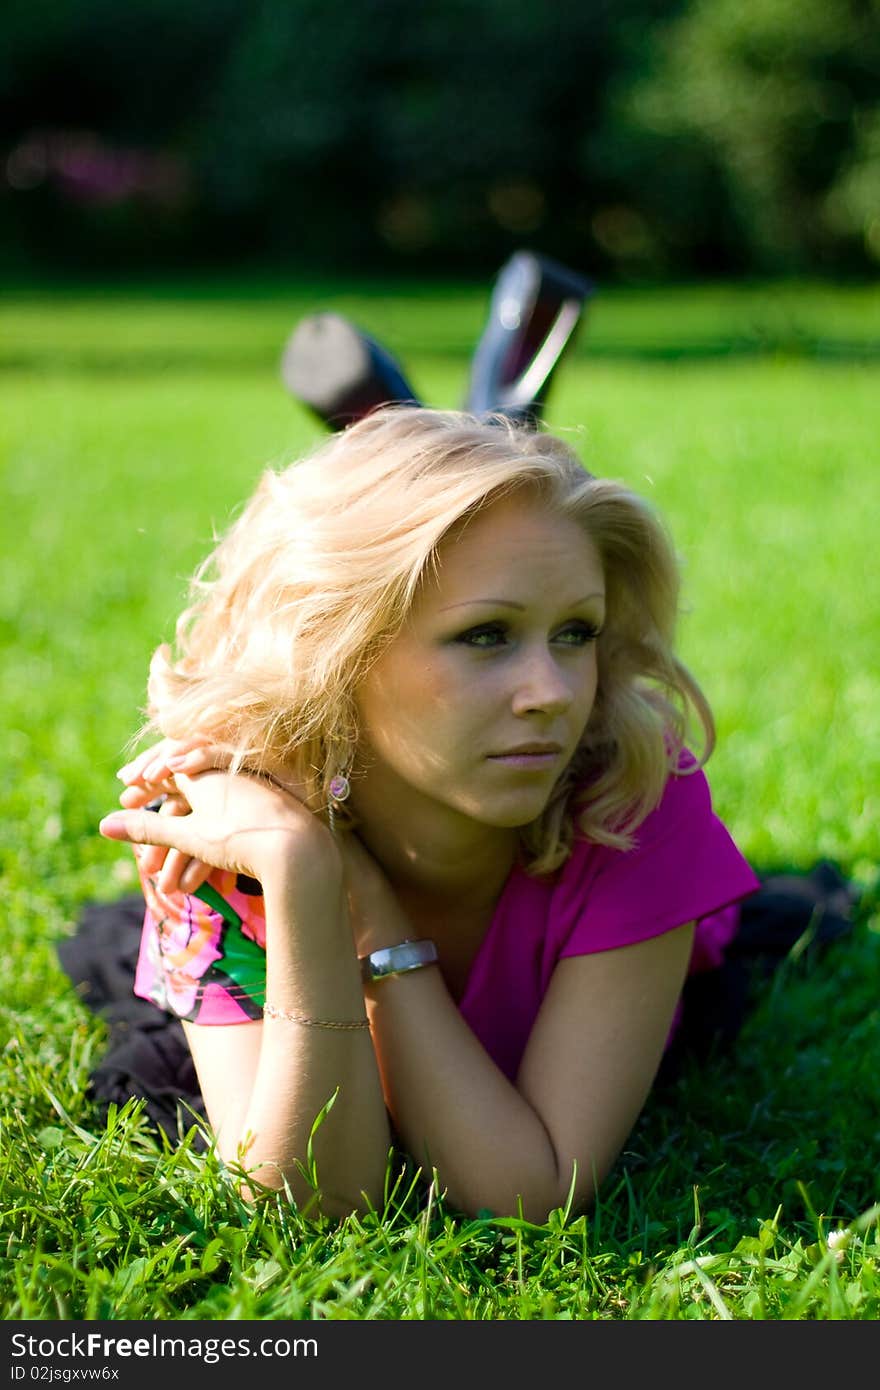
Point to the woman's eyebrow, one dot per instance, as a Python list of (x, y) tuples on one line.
[(509, 603)]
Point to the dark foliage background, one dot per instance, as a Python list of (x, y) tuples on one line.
[(635, 137)]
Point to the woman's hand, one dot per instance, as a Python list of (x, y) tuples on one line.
[(237, 822), (154, 771), (153, 775)]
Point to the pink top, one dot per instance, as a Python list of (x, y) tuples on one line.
[(202, 957)]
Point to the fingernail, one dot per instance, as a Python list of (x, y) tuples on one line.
[(122, 772), (113, 826), (182, 761)]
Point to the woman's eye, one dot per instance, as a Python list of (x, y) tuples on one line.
[(490, 635), (578, 634)]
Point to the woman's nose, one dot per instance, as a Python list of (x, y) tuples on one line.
[(541, 684)]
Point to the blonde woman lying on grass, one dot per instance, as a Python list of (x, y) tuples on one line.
[(426, 725)]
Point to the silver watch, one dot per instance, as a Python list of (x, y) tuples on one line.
[(396, 960)]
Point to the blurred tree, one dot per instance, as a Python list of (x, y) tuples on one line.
[(442, 134), (96, 100), (772, 108), (138, 71), (624, 136)]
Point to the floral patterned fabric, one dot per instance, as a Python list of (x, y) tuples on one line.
[(203, 955)]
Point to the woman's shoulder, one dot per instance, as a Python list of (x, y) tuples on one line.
[(682, 865), (686, 798)]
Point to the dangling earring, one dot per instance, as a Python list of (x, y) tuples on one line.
[(340, 790)]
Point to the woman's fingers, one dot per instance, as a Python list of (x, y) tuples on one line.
[(135, 770), (167, 847), (242, 823), (150, 858), (194, 875), (134, 797), (171, 873), (139, 828), (158, 765), (202, 758), (193, 840), (153, 859), (175, 863), (175, 869)]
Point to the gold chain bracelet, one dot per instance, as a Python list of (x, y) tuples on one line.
[(272, 1012)]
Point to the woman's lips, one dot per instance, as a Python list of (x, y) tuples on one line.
[(535, 761)]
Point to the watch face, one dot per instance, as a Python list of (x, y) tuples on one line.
[(395, 960)]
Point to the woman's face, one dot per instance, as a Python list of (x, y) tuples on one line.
[(480, 702)]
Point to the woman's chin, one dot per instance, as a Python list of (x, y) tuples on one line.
[(513, 813)]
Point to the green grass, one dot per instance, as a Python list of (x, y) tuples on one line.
[(131, 422), (239, 324)]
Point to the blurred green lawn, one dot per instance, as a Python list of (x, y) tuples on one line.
[(132, 422), (238, 323)]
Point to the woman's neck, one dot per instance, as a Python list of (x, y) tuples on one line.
[(428, 849)]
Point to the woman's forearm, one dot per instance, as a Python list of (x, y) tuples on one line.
[(585, 1073), (312, 974), (455, 1110), (300, 1070)]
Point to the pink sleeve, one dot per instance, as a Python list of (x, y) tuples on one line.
[(683, 867)]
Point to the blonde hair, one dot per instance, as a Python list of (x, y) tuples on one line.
[(318, 573)]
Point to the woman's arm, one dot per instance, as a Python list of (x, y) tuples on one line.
[(586, 1072), (265, 1083), (588, 1066)]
